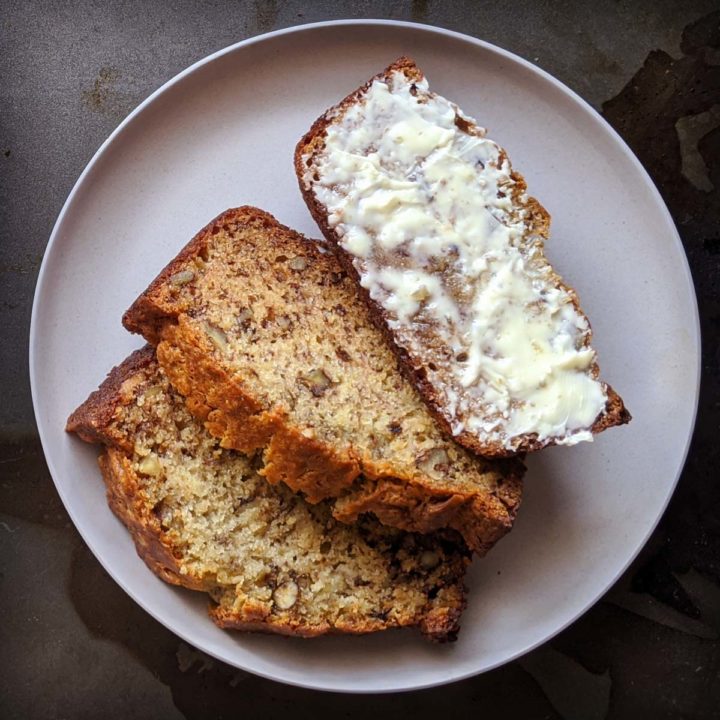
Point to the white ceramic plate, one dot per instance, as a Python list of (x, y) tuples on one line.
[(222, 134)]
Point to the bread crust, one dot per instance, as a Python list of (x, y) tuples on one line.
[(436, 624), (161, 550), (92, 420), (130, 506), (356, 483), (307, 150)]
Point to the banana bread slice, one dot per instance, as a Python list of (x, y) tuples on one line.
[(203, 518), (265, 335), (428, 216)]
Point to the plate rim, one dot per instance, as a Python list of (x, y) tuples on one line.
[(426, 28)]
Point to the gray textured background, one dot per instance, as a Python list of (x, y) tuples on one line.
[(72, 644)]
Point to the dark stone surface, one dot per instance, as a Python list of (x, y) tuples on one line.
[(72, 643)]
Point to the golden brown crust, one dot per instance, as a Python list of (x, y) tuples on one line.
[(93, 422), (254, 618), (481, 519), (305, 464), (439, 623), (220, 400), (233, 416), (538, 219), (126, 500)]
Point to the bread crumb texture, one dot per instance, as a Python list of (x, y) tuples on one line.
[(202, 517), (264, 334)]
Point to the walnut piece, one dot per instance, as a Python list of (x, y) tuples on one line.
[(429, 559), (433, 462), (286, 595), (217, 336), (182, 278), (150, 465), (317, 381), (245, 317), (297, 263)]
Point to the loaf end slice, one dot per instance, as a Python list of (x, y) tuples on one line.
[(428, 216), (263, 333), (203, 518)]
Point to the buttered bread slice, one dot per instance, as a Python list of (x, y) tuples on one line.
[(203, 518), (265, 336), (428, 215)]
